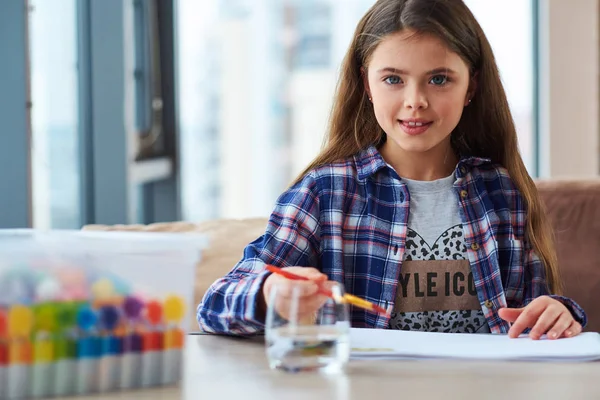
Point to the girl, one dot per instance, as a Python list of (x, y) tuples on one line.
[(419, 201)]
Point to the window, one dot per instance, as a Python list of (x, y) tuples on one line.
[(256, 80), (149, 101), (514, 51), (54, 115)]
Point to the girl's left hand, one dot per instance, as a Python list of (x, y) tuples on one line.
[(543, 315)]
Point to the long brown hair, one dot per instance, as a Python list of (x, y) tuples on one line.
[(486, 128)]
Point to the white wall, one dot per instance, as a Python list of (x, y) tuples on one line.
[(569, 88)]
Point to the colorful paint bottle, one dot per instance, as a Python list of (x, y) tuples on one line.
[(43, 366), (174, 310), (3, 354), (47, 290), (87, 351), (152, 345), (20, 322), (131, 366), (65, 347), (103, 289), (111, 348)]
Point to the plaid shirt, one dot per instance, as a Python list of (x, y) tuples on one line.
[(349, 220)]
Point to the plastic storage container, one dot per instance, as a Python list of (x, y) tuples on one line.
[(84, 312)]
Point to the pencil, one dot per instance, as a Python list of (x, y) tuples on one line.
[(347, 298)]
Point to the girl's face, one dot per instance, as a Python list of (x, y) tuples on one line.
[(419, 89)]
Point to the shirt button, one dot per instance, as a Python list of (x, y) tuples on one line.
[(464, 193), (475, 246), (463, 170), (488, 304)]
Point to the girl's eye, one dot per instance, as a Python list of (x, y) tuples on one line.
[(392, 80), (439, 80)]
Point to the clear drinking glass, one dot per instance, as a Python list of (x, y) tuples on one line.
[(318, 342)]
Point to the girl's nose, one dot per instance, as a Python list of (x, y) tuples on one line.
[(415, 98)]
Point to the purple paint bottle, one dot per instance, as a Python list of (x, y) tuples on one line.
[(131, 359)]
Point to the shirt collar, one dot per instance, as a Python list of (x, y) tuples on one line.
[(369, 161), (465, 164)]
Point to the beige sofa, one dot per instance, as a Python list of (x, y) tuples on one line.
[(573, 207)]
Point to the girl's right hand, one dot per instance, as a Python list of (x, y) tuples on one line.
[(309, 301)]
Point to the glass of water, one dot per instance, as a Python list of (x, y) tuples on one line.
[(298, 342)]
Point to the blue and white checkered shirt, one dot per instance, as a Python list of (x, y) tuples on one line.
[(349, 220)]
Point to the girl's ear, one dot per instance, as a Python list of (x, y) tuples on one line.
[(365, 78), (474, 82)]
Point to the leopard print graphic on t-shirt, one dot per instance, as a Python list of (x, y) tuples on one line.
[(449, 246), (436, 292)]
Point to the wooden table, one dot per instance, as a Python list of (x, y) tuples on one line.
[(231, 368)]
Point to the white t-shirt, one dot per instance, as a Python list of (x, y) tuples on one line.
[(436, 292)]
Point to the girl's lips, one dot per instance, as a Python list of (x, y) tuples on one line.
[(413, 127)]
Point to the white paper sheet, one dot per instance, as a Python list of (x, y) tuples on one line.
[(384, 343)]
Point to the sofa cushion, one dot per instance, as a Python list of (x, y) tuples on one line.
[(573, 207), (227, 240)]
